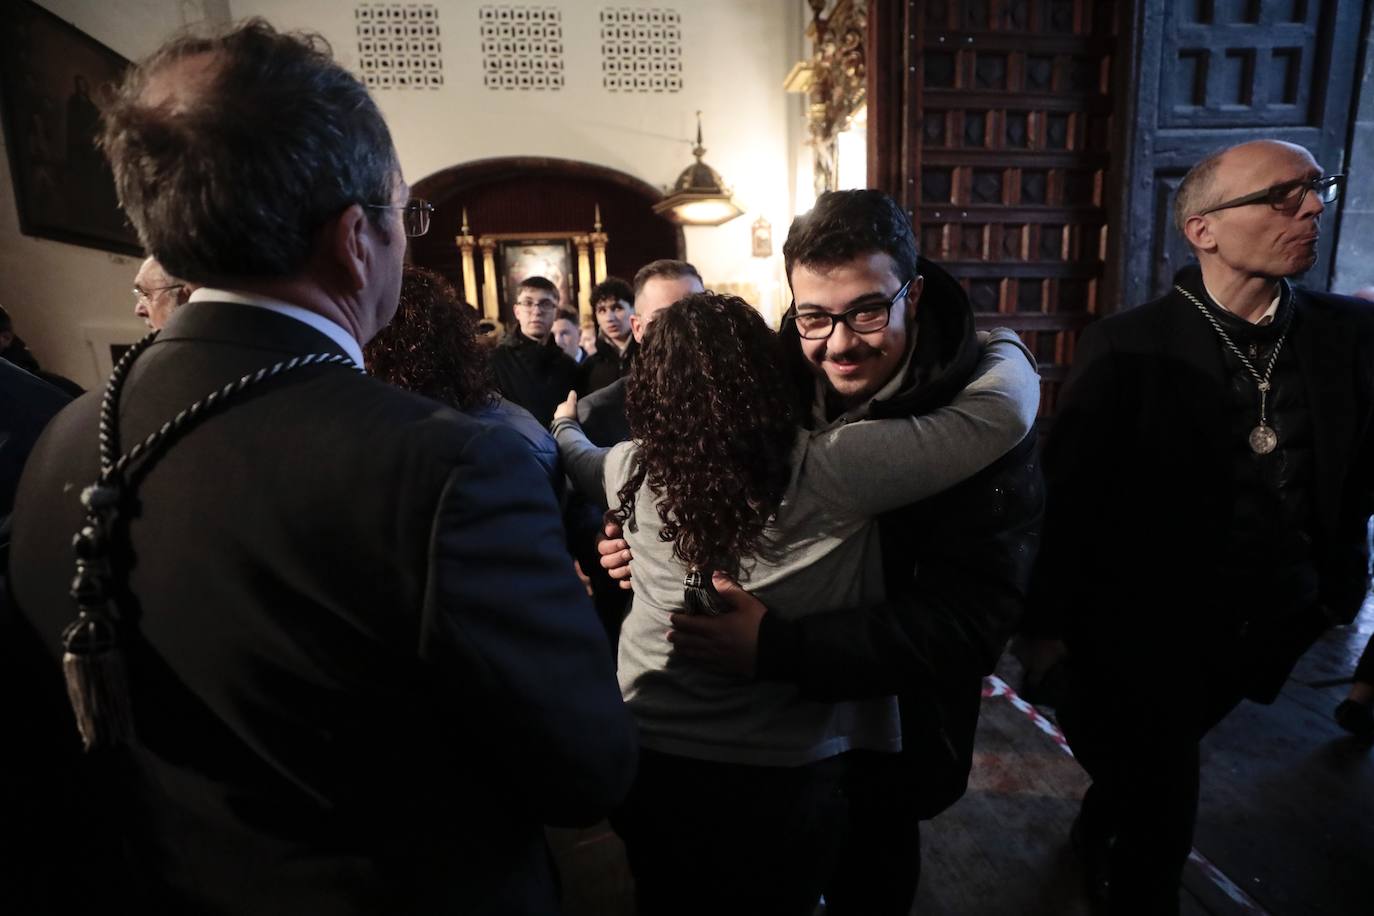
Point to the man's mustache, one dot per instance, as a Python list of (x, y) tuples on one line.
[(854, 353)]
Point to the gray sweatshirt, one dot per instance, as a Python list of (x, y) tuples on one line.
[(821, 552)]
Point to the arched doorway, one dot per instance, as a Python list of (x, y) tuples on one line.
[(526, 194)]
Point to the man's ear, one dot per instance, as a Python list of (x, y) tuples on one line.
[(913, 296), (348, 246), (637, 328), (1197, 232)]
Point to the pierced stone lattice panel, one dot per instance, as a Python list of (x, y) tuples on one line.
[(398, 45), (641, 50), (522, 47)]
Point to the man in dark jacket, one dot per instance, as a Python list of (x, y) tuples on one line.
[(529, 367), (956, 564), (1209, 473), (613, 305), (360, 673)]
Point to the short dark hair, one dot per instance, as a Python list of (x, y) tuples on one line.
[(666, 268), (540, 283), (236, 177), (612, 288), (565, 314), (845, 224)]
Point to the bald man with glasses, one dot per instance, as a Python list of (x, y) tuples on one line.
[(1209, 476), (157, 294)]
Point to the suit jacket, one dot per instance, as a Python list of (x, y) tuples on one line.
[(1140, 468), (602, 415), (27, 403), (363, 673), (606, 365)]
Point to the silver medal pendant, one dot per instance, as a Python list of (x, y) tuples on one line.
[(1263, 439)]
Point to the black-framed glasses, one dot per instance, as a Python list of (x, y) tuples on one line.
[(414, 215), (861, 319), (141, 294), (1288, 197), (543, 305)]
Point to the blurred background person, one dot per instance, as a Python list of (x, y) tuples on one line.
[(568, 335), (613, 305), (528, 366), (587, 340), (157, 294)]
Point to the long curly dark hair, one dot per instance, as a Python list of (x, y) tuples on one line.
[(713, 421), (431, 346)]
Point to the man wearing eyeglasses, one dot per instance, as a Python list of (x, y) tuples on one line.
[(530, 368), (157, 294), (1210, 470), (877, 332), (361, 674)]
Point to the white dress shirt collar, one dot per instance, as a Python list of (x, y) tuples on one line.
[(1267, 318), (346, 341)]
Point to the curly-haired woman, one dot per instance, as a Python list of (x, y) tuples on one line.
[(433, 347), (719, 477)]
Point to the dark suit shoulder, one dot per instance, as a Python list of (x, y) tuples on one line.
[(602, 415)]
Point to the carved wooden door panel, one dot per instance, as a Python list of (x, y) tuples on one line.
[(1216, 72), (1004, 152)]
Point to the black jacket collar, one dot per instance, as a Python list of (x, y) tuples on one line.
[(245, 325)]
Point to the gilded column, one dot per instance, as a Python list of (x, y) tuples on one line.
[(490, 307), (466, 243), (599, 240), (584, 278)]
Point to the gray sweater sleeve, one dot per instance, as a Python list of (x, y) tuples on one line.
[(584, 463), (872, 466)]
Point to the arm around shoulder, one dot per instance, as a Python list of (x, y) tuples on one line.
[(879, 465)]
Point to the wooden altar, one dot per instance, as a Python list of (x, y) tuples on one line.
[(574, 260)]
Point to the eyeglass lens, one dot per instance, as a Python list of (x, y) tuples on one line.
[(416, 217), (1290, 197), (817, 325)]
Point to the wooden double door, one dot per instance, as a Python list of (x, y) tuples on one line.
[(1037, 144)]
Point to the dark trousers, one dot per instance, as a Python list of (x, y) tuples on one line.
[(1143, 760), (720, 838), (880, 863)]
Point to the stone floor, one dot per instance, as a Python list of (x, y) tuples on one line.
[(1286, 825)]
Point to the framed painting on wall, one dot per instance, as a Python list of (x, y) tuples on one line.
[(551, 257), (50, 75)]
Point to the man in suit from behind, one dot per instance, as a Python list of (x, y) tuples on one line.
[(1209, 478), (361, 673)]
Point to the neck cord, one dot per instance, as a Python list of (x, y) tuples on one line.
[(92, 660), (1263, 439)]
